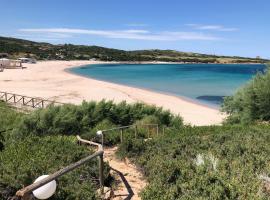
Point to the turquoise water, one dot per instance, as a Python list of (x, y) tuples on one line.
[(206, 83)]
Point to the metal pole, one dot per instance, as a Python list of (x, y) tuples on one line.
[(101, 175), (102, 139)]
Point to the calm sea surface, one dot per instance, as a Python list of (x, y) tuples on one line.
[(206, 83)]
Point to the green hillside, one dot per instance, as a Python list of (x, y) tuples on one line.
[(45, 51)]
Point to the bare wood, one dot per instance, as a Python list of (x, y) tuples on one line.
[(61, 172), (121, 135), (136, 131), (35, 101)]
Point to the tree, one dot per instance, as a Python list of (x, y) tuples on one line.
[(250, 103)]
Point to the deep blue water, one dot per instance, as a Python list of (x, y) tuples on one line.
[(207, 83)]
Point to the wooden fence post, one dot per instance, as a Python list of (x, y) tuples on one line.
[(121, 136), (148, 131), (157, 129), (33, 104), (136, 131)]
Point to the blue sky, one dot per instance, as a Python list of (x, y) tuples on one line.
[(228, 27)]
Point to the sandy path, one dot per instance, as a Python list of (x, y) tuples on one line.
[(50, 80), (130, 180)]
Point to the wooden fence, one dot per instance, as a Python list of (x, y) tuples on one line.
[(26, 192), (26, 101), (135, 128)]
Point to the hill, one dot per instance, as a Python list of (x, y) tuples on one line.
[(46, 51)]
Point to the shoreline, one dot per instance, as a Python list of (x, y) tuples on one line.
[(52, 80), (183, 98)]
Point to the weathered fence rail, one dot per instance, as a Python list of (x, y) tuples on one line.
[(26, 192), (26, 101), (134, 126)]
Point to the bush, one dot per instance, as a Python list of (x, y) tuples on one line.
[(250, 103), (21, 162), (110, 138), (215, 162), (72, 119), (9, 118)]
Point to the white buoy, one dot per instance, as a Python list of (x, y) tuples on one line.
[(45, 191)]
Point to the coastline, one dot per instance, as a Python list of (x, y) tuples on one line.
[(182, 98), (54, 81)]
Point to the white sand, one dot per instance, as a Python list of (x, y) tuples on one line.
[(49, 80)]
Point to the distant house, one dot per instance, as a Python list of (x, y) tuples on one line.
[(4, 55), (27, 60), (9, 64), (4, 62)]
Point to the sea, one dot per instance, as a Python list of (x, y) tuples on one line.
[(203, 83)]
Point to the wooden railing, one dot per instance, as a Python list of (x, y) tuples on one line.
[(134, 126), (26, 192), (26, 101)]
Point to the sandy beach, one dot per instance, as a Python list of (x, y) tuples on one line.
[(51, 80)]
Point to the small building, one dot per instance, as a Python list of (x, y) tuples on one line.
[(4, 55), (27, 60), (9, 64), (4, 62)]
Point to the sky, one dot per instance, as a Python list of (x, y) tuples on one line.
[(220, 27)]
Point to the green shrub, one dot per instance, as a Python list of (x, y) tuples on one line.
[(233, 159), (110, 138), (250, 103), (21, 162), (9, 118), (72, 119)]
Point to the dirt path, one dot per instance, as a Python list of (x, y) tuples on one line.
[(129, 180)]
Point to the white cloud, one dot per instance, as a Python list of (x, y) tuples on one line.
[(137, 25), (127, 34), (211, 27)]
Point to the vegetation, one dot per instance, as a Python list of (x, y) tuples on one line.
[(211, 162), (250, 103), (215, 162), (45, 51), (89, 117), (43, 141), (23, 160)]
